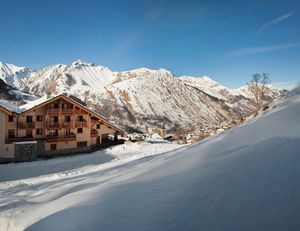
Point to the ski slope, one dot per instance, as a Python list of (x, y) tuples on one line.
[(246, 178)]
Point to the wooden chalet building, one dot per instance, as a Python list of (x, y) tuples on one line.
[(52, 126)]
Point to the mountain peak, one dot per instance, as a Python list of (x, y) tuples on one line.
[(80, 62), (207, 79)]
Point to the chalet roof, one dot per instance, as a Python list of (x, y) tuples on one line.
[(9, 107), (45, 100)]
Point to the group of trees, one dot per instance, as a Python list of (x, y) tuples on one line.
[(258, 87)]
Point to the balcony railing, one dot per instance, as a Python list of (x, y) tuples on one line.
[(30, 125), (81, 124), (53, 125), (66, 124), (94, 133), (19, 139), (53, 138), (67, 111), (53, 110)]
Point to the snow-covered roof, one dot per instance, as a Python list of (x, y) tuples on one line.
[(35, 103), (25, 107), (9, 106)]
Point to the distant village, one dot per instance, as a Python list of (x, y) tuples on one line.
[(181, 135)]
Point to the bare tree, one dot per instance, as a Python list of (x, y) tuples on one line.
[(257, 87)]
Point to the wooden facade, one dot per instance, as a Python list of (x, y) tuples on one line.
[(60, 123)]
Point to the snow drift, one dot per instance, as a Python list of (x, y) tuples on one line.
[(244, 179)]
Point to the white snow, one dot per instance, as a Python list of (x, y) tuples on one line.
[(135, 151), (13, 75), (209, 86), (246, 178), (34, 103), (26, 142), (30, 104), (9, 106)]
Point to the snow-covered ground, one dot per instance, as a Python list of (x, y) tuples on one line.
[(246, 178), (63, 176)]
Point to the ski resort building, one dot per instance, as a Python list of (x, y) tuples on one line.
[(52, 126)]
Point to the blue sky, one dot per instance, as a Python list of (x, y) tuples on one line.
[(227, 40)]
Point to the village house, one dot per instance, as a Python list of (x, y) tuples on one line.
[(52, 126)]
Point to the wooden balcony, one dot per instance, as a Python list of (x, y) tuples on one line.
[(51, 138), (66, 124), (53, 111), (18, 139), (81, 124), (94, 133), (53, 125), (26, 125), (67, 111)]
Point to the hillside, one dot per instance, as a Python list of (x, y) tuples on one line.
[(244, 179), (8, 93), (140, 99)]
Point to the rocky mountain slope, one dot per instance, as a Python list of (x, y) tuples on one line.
[(12, 94), (140, 99)]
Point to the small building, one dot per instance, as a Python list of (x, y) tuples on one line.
[(60, 125)]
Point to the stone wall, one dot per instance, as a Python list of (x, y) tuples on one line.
[(25, 151), (64, 152)]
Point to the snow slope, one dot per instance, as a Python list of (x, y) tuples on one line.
[(10, 95), (244, 179), (210, 87), (13, 75), (75, 78), (240, 99)]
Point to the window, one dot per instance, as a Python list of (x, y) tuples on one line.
[(53, 119), (111, 136), (53, 132), (98, 126), (65, 106), (29, 119), (80, 118), (10, 118), (67, 118), (39, 118), (104, 136), (67, 132), (81, 144), (53, 105), (11, 133), (53, 147), (39, 131), (28, 133), (79, 130)]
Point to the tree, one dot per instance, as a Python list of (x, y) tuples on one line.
[(257, 87)]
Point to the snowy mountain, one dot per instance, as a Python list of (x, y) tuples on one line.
[(13, 75), (211, 87), (246, 178), (141, 98), (215, 89), (76, 78), (8, 93)]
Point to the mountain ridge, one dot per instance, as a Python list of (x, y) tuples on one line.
[(142, 98)]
